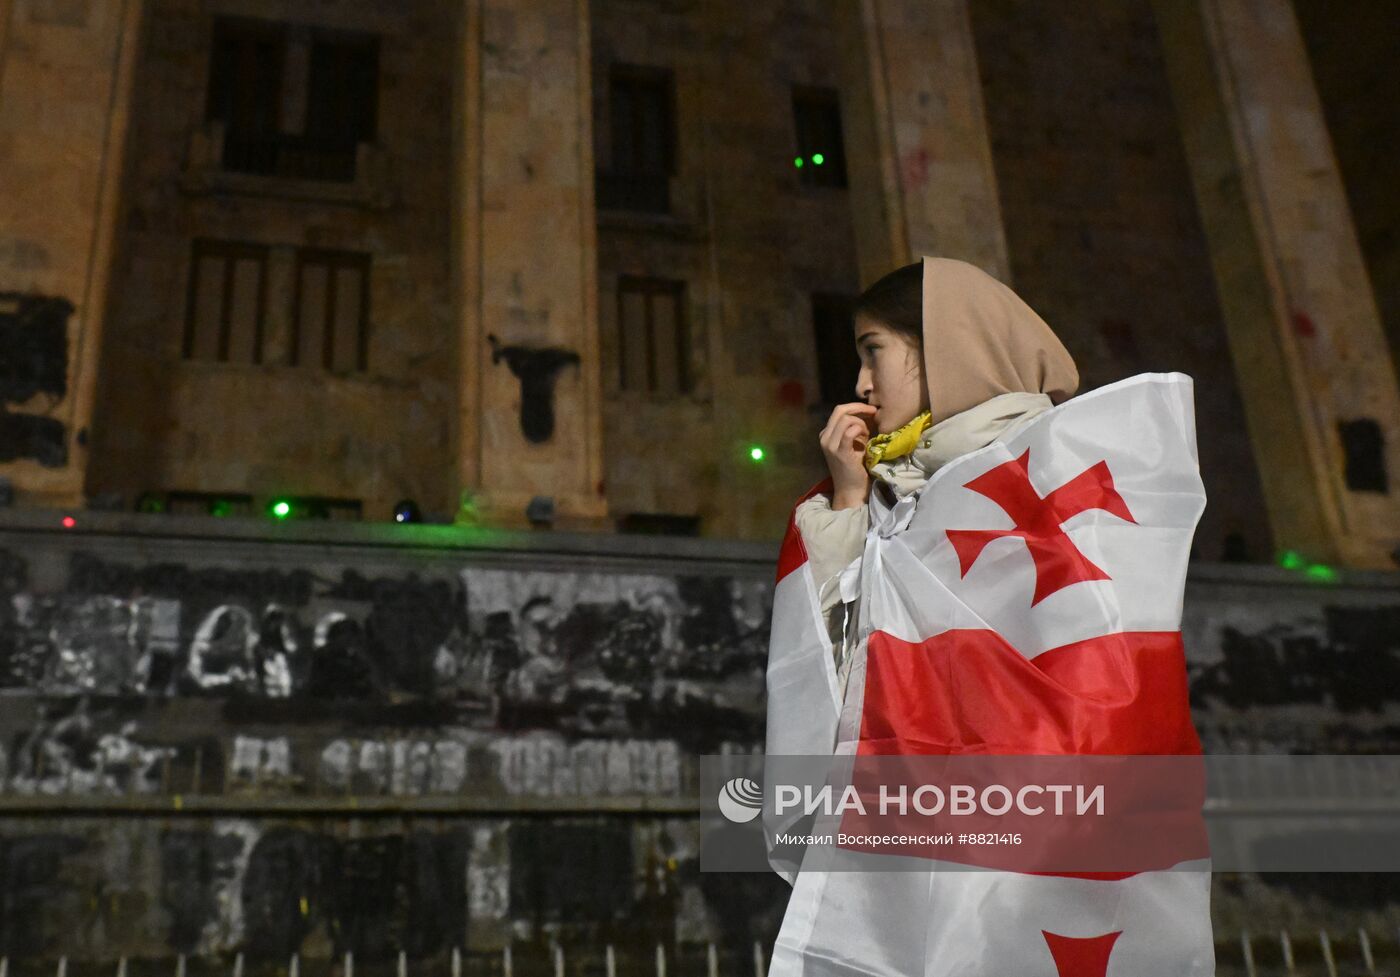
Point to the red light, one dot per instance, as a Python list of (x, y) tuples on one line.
[(69, 522)]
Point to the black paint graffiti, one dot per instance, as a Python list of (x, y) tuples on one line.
[(33, 346), (405, 649), (1356, 667), (33, 360), (536, 367)]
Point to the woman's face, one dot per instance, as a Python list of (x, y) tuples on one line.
[(891, 374)]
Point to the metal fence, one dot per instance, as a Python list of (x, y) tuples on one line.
[(1283, 953)]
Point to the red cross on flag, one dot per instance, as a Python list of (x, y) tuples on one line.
[(1026, 601)]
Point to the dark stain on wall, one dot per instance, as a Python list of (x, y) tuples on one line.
[(536, 368), (33, 360), (1355, 667), (33, 346), (570, 872), (34, 892)]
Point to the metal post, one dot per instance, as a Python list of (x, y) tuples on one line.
[(1327, 958), (349, 963), (238, 965), (1247, 945), (558, 960), (757, 959), (506, 970), (609, 962), (1287, 945), (1367, 956), (121, 966), (456, 961), (180, 966), (403, 964), (660, 960), (294, 970), (63, 965), (711, 960)]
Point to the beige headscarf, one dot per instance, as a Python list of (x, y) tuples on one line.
[(981, 340)]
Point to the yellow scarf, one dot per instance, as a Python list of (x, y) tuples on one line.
[(897, 443)]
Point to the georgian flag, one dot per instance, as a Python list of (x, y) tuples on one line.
[(1026, 600)]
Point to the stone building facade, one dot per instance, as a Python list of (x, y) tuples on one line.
[(599, 254)]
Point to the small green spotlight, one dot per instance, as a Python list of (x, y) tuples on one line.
[(1321, 572), (1291, 560), (756, 453), (818, 158), (220, 507), (798, 162), (281, 508)]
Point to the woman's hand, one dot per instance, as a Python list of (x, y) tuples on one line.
[(843, 442)]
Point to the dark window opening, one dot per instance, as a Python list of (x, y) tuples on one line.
[(653, 342), (330, 311), (295, 101), (1363, 444), (227, 302), (821, 156), (838, 363), (642, 122)]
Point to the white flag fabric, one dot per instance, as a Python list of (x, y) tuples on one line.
[(1026, 600)]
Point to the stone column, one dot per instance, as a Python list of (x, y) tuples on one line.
[(1304, 330), (526, 263), (917, 147), (66, 80)]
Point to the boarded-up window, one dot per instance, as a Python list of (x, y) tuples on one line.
[(227, 302), (821, 158), (641, 118), (653, 340), (331, 310), (837, 360), (295, 101)]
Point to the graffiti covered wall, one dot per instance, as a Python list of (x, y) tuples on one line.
[(221, 736)]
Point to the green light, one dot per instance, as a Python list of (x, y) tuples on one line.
[(797, 162), (1321, 572), (281, 509), (756, 453), (818, 158), (220, 507), (1291, 560)]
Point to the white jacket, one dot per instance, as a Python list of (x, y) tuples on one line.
[(835, 538)]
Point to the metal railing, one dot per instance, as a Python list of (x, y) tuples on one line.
[(1281, 953)]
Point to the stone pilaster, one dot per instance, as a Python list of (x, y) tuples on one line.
[(526, 264), (66, 78), (1304, 330), (918, 150)]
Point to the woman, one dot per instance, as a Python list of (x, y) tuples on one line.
[(951, 360), (1063, 641)]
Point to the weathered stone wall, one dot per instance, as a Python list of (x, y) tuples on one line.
[(64, 71), (272, 429), (1354, 54), (750, 242), (1102, 228)]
